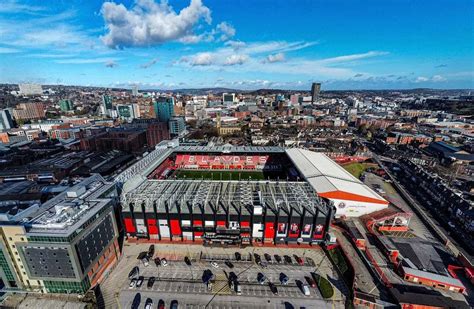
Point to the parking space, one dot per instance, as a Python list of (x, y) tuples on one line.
[(184, 282)]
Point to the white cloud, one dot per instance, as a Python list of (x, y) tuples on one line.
[(353, 57), (227, 30), (438, 78), (421, 79), (278, 57), (86, 60), (149, 63), (201, 59), (236, 59), (12, 6), (148, 23), (9, 50)]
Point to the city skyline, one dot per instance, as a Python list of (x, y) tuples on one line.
[(196, 44)]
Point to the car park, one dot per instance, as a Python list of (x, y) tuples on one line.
[(148, 303), (140, 281), (151, 282), (187, 261), (229, 264), (133, 283), (164, 262)]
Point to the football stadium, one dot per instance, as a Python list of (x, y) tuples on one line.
[(236, 195)]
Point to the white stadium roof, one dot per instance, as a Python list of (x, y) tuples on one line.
[(329, 179)]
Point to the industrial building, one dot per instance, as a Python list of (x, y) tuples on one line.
[(65, 245), (236, 195)]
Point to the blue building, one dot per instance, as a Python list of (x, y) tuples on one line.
[(164, 108)]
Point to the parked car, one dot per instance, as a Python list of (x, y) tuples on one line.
[(314, 276), (237, 288), (140, 281), (148, 303), (136, 301), (238, 256), (174, 304), (284, 279), (161, 304), (277, 258), (151, 251), (214, 264), (261, 278), (263, 264), (273, 288), (232, 276), (257, 258), (268, 257), (207, 276), (157, 261), (187, 261), (164, 262), (151, 282), (287, 259), (305, 290), (298, 260), (229, 264), (133, 283), (145, 261), (134, 273), (310, 281)]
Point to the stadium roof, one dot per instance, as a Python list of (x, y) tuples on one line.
[(230, 149), (329, 179)]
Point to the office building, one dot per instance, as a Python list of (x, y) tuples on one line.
[(135, 90), (106, 107), (30, 89), (228, 98), (315, 89), (128, 112), (177, 126), (6, 120), (29, 111), (66, 105), (164, 108), (66, 245)]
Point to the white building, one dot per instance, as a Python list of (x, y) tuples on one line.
[(30, 89)]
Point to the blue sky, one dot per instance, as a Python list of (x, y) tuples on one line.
[(241, 44)]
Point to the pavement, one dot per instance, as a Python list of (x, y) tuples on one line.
[(181, 282)]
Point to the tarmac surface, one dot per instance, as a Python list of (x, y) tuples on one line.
[(183, 283)]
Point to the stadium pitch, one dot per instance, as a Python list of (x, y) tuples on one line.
[(218, 175)]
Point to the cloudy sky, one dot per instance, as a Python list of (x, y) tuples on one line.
[(351, 44)]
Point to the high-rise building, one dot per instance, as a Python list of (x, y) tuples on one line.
[(6, 120), (107, 107), (30, 89), (128, 111), (66, 105), (135, 90), (29, 111), (228, 98), (164, 108), (315, 89), (66, 245), (177, 125)]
